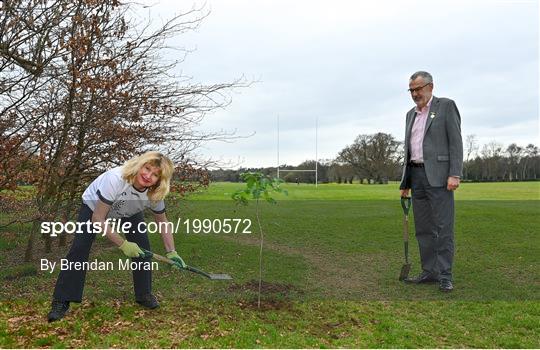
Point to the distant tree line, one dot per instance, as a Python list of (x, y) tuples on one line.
[(378, 158), (494, 162)]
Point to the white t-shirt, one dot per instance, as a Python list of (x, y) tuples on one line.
[(124, 199)]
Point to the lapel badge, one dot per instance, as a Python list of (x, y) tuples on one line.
[(432, 115)]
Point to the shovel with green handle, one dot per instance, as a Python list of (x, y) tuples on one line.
[(212, 276), (406, 268)]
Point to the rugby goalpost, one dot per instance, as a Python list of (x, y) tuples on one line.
[(316, 154)]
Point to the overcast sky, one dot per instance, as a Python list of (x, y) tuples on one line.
[(347, 64)]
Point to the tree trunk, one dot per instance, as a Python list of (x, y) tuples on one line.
[(48, 243), (260, 255), (63, 236), (29, 252)]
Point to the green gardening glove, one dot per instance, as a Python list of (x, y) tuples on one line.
[(131, 250), (178, 262)]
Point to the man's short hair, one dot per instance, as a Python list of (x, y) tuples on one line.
[(425, 75)]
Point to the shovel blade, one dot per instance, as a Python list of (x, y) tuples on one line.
[(212, 276), (404, 274), (219, 276)]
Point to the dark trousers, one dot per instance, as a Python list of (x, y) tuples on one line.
[(70, 283), (434, 221)]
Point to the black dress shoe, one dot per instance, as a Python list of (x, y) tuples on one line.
[(422, 278), (58, 310), (148, 301), (445, 286)]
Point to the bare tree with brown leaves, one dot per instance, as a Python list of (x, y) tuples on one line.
[(101, 92)]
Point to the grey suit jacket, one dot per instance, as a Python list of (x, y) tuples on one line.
[(442, 147)]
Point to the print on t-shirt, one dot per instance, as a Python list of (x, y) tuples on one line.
[(124, 199)]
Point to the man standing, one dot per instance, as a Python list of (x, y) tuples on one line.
[(432, 169)]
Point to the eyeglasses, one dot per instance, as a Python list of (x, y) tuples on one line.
[(418, 88)]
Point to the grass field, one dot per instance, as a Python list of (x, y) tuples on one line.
[(331, 261)]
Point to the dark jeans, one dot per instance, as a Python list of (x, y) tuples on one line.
[(433, 209), (70, 283)]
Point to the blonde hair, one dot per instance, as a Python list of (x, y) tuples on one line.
[(131, 168)]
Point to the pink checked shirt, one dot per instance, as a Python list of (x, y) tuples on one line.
[(417, 133)]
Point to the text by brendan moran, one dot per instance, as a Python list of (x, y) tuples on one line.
[(96, 265)]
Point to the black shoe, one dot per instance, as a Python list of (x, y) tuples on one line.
[(58, 310), (424, 277), (148, 301), (445, 286)]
